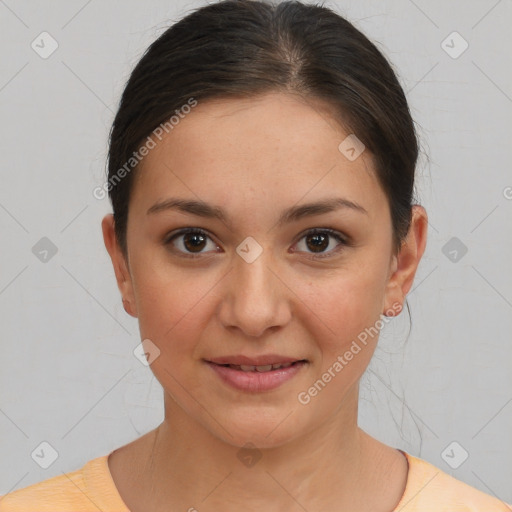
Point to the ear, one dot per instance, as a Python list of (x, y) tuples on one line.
[(406, 262), (121, 268)]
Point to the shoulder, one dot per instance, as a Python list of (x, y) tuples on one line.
[(62, 492), (429, 488), (87, 489)]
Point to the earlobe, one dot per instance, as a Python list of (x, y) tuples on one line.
[(121, 270), (406, 261)]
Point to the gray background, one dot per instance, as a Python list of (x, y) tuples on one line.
[(69, 376)]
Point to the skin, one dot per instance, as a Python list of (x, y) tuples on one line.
[(254, 158)]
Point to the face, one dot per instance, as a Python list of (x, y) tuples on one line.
[(254, 283)]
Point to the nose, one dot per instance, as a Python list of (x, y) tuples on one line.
[(255, 298)]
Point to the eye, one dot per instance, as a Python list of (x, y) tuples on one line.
[(190, 242), (318, 240), (191, 239)]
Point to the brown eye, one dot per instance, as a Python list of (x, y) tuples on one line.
[(190, 242), (194, 241), (318, 240)]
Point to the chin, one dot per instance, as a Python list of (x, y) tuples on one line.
[(262, 433)]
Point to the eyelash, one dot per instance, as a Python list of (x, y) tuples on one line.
[(315, 231)]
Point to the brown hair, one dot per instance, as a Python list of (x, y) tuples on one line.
[(242, 48)]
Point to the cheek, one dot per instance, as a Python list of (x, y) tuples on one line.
[(172, 314), (342, 307), (172, 303)]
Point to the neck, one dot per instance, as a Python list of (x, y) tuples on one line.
[(326, 468)]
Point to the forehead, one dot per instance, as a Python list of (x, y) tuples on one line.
[(275, 148)]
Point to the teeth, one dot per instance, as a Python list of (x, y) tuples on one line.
[(262, 368), (265, 368)]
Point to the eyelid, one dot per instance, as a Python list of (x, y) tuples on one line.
[(185, 231), (333, 232)]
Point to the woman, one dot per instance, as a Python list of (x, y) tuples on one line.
[(261, 172)]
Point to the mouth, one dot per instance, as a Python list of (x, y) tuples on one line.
[(256, 378), (260, 368)]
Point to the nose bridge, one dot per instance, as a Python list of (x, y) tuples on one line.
[(255, 300)]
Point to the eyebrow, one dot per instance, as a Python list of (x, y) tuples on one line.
[(292, 214)]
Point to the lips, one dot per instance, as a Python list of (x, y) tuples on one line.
[(262, 363), (256, 378), (260, 368)]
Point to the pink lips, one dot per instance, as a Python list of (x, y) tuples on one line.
[(253, 380), (254, 361)]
